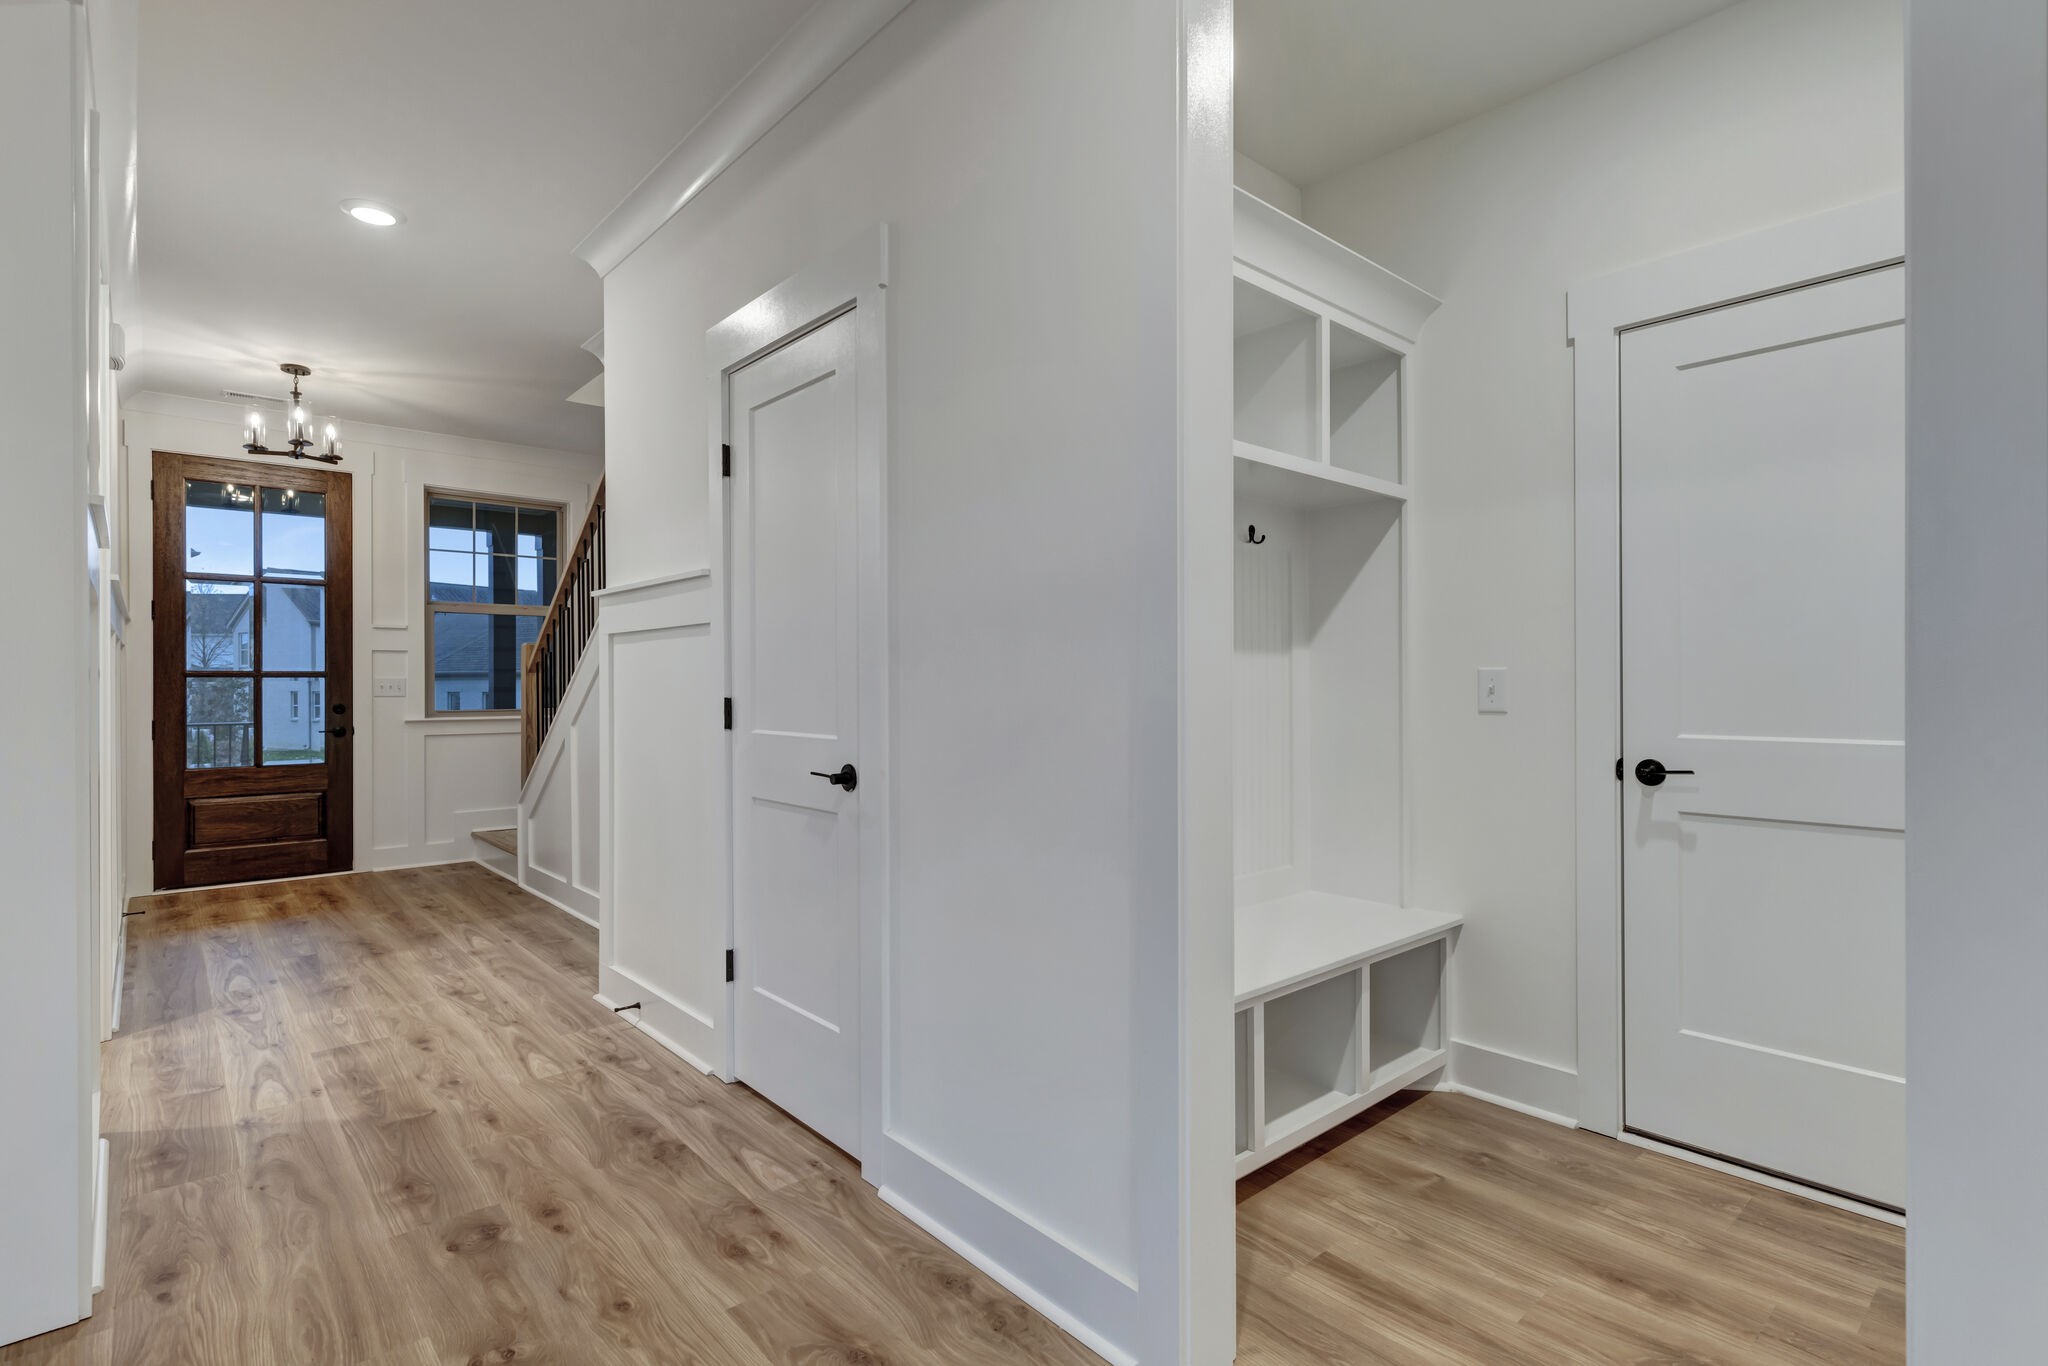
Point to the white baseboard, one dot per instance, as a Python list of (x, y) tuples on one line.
[(1776, 1183), (102, 1151), (634, 1019), (1004, 1277), (1522, 1084), (555, 901)]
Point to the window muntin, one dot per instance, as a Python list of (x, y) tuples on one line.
[(492, 566)]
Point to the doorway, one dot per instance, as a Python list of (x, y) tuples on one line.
[(250, 710), (1740, 529), (799, 456)]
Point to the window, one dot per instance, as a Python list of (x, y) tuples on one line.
[(491, 573), (295, 704)]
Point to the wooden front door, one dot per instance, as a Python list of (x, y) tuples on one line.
[(252, 716)]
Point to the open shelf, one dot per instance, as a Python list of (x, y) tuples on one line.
[(1278, 371), (1283, 943), (1290, 481)]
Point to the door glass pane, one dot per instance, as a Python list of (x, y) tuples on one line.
[(294, 731), (294, 533), (220, 631), (476, 659), (294, 627), (220, 528), (219, 722)]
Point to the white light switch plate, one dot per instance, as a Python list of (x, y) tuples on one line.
[(390, 687), (1493, 690)]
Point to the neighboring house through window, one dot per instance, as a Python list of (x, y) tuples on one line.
[(491, 572)]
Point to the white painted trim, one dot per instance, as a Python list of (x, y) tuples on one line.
[(1514, 1083), (1304, 263), (102, 1161), (1776, 1183), (559, 905), (621, 590), (808, 54), (1002, 1275), (1840, 242), (619, 1008), (855, 278)]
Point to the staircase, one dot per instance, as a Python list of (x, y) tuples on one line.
[(550, 662), (551, 852)]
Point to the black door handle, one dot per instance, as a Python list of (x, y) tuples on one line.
[(845, 778), (1650, 773), (339, 732)]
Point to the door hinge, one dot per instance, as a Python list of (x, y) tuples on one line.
[(152, 490), (729, 974), (725, 466), (1617, 770), (728, 713)]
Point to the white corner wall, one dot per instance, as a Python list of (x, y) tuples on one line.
[(422, 784), (1977, 648), (1763, 113), (63, 77), (1024, 154)]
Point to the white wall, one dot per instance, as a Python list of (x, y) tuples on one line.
[(56, 294), (1977, 646), (1024, 152), (421, 784), (1269, 185), (1763, 113)]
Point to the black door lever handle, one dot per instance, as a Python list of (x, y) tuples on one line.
[(1650, 773), (339, 732), (845, 778)]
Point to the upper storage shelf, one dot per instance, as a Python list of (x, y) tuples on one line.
[(1322, 338)]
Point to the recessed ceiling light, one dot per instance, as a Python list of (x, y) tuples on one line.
[(376, 215)]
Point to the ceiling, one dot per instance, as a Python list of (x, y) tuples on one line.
[(503, 129), (1325, 85)]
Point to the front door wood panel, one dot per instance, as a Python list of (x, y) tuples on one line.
[(252, 710)]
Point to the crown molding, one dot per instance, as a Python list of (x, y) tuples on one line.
[(819, 45)]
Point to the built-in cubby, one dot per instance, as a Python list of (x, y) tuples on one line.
[(1340, 984)]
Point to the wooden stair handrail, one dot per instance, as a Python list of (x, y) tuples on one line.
[(546, 666)]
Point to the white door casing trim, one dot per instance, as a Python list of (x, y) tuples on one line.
[(1840, 242), (854, 278)]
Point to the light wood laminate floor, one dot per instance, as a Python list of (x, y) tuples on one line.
[(377, 1120)]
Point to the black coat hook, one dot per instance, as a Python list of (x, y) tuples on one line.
[(1252, 536)]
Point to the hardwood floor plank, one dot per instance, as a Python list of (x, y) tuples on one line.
[(376, 1120), (416, 1172)]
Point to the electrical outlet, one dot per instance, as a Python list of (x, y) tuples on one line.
[(1493, 690), (390, 687)]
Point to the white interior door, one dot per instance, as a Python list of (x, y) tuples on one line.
[(1763, 647), (795, 641)]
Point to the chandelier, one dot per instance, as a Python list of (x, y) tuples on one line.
[(299, 441)]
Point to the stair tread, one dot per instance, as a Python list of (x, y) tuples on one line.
[(507, 840)]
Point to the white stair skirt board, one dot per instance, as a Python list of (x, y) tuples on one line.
[(558, 831), (499, 861)]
